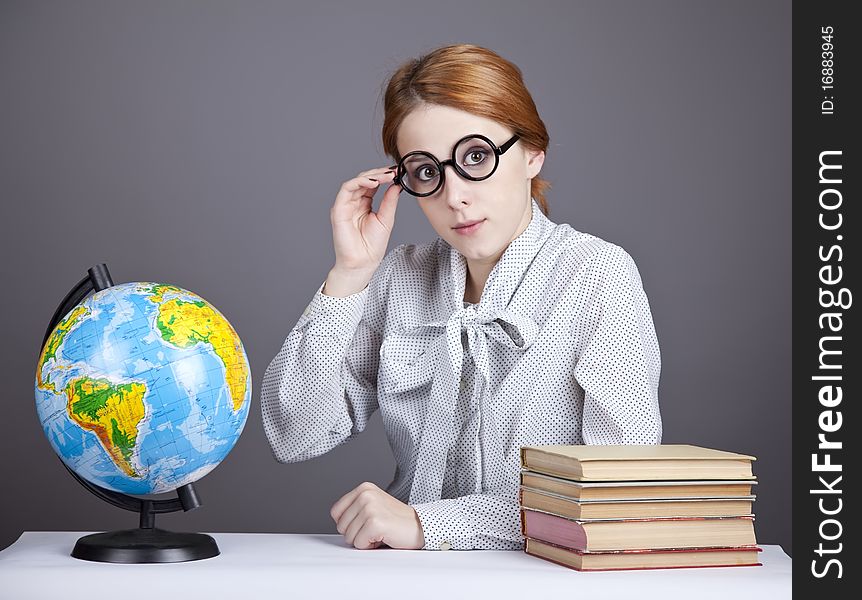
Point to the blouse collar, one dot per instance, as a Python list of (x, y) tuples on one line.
[(506, 275)]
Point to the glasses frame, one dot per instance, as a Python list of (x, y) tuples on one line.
[(441, 165)]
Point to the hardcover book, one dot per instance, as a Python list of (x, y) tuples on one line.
[(742, 556), (623, 490), (636, 462), (635, 509), (638, 534)]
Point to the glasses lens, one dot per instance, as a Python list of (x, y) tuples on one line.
[(421, 173), (476, 158)]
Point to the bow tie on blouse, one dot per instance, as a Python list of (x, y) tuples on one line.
[(501, 325)]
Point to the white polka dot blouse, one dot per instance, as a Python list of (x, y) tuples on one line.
[(560, 349)]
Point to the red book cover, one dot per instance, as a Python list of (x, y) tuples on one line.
[(553, 529), (665, 554), (570, 533)]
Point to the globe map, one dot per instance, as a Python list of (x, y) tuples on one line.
[(143, 388)]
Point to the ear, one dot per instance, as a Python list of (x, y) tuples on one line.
[(535, 160)]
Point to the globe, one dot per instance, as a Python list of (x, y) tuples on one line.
[(143, 388)]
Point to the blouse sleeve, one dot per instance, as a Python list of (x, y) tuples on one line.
[(320, 390), (620, 365), (472, 522)]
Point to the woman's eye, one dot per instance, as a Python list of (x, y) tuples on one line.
[(475, 157), (426, 173)]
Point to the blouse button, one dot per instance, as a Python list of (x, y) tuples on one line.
[(444, 545)]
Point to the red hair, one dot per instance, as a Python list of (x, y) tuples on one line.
[(475, 80)]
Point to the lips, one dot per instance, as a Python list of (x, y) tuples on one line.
[(467, 224), (468, 228)]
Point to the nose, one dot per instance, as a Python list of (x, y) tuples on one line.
[(456, 190)]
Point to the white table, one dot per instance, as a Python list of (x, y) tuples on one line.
[(264, 565)]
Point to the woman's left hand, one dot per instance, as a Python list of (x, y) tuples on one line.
[(368, 517)]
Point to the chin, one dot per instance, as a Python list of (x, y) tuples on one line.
[(476, 250)]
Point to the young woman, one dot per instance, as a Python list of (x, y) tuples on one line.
[(508, 330)]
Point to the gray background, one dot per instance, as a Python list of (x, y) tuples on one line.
[(202, 144)]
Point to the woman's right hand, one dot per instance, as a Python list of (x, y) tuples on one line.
[(359, 235)]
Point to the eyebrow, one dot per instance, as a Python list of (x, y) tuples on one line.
[(451, 147)]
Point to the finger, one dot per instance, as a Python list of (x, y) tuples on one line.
[(388, 206), (360, 184), (368, 189), (342, 504), (378, 170), (347, 499), (357, 192), (378, 176), (355, 526), (385, 175), (388, 176), (347, 516), (369, 536), (355, 516), (366, 184)]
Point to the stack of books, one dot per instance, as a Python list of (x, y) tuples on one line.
[(597, 508)]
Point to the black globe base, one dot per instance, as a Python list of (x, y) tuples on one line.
[(137, 546)]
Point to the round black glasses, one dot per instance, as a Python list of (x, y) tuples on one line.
[(474, 157)]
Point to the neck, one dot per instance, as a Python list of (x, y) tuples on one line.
[(478, 270), (477, 275)]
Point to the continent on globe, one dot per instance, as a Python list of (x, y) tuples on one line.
[(184, 324), (54, 342), (112, 412)]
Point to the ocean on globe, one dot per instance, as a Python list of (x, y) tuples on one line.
[(143, 388)]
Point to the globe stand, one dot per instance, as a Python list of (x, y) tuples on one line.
[(147, 544)]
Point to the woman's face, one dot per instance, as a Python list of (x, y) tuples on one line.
[(502, 202)]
